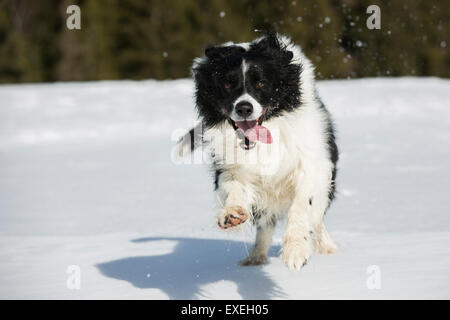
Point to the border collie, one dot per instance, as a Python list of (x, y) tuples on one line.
[(271, 142)]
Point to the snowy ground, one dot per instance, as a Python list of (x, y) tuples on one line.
[(86, 179)]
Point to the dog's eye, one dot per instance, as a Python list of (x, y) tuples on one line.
[(260, 84), (227, 86)]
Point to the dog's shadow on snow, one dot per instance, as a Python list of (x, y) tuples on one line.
[(192, 264)]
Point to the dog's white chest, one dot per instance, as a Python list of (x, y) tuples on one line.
[(264, 159)]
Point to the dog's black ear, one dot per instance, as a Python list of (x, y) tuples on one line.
[(221, 52), (270, 43), (269, 40)]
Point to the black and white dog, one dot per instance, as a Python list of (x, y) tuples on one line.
[(271, 142)]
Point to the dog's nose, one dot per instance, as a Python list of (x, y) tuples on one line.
[(244, 109)]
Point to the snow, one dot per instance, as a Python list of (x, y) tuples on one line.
[(86, 179)]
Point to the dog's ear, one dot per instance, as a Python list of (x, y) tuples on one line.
[(270, 43), (222, 52)]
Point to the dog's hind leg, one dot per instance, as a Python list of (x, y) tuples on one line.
[(262, 243)]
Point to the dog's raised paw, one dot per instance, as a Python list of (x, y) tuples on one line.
[(231, 217)]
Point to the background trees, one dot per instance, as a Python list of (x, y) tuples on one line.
[(137, 39)]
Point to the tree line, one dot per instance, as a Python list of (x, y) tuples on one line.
[(140, 39)]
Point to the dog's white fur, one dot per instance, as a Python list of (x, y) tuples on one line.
[(285, 176)]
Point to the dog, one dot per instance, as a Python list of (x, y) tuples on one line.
[(271, 143)]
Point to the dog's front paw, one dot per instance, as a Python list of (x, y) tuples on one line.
[(296, 252), (231, 217)]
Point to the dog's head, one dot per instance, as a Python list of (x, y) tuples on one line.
[(246, 84)]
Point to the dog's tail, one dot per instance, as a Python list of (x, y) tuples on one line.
[(188, 143)]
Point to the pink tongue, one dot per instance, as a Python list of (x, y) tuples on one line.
[(254, 132)]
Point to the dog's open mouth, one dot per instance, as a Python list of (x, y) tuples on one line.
[(251, 131)]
